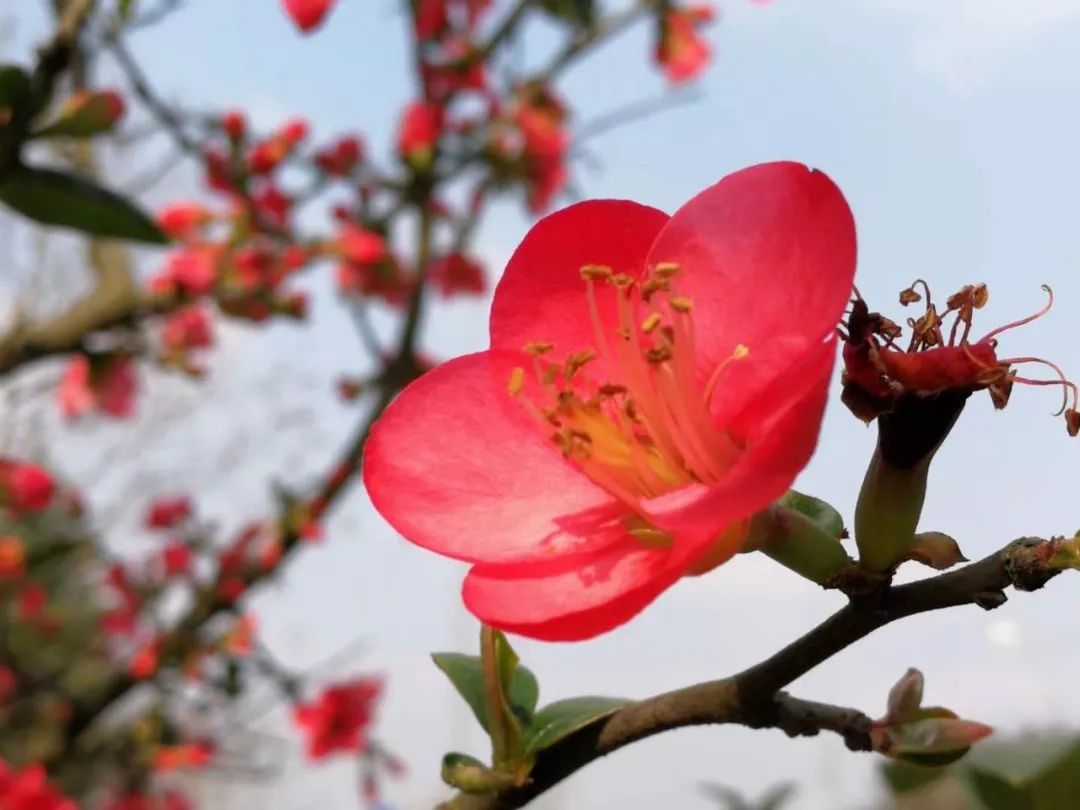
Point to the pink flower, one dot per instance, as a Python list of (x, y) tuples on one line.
[(680, 367)]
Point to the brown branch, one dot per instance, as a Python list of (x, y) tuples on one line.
[(753, 698)]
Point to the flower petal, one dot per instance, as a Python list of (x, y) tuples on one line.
[(767, 251), (576, 602), (780, 427), (457, 466), (541, 296)]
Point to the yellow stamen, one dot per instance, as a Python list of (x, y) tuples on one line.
[(517, 381), (648, 431)]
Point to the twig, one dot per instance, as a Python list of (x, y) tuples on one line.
[(752, 697)]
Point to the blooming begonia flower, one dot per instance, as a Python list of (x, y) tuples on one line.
[(652, 383), (339, 719)]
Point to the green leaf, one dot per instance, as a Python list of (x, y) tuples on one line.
[(997, 793), (69, 201), (14, 89), (903, 777), (125, 8), (467, 676), (562, 718), (823, 514), (578, 12)]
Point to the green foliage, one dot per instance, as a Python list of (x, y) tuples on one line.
[(532, 731), (559, 720), (466, 674), (579, 12), (1034, 772), (67, 200)]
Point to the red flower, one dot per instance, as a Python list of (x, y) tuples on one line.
[(188, 328), (541, 117), (104, 384), (186, 756), (307, 14), (32, 600), (144, 664), (272, 204), (342, 156), (166, 512), (680, 50), (25, 487), (12, 557), (684, 392), (457, 273), (339, 719), (176, 559), (29, 789), (182, 220), (191, 271), (939, 357), (420, 128), (358, 245), (240, 639), (432, 17), (234, 124)]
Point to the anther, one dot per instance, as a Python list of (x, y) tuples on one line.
[(667, 269), (650, 323), (517, 381), (537, 348), (680, 303), (595, 272)]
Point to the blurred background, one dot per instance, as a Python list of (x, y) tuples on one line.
[(951, 126)]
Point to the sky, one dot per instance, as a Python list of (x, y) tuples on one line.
[(951, 126)]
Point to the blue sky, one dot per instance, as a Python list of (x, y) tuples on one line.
[(952, 127)]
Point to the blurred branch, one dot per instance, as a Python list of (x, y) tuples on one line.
[(752, 697)]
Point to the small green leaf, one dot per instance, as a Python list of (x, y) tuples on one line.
[(467, 676), (65, 200), (562, 718), (14, 90), (823, 514)]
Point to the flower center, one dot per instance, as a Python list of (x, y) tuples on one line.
[(648, 430)]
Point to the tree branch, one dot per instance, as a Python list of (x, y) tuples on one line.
[(752, 698)]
